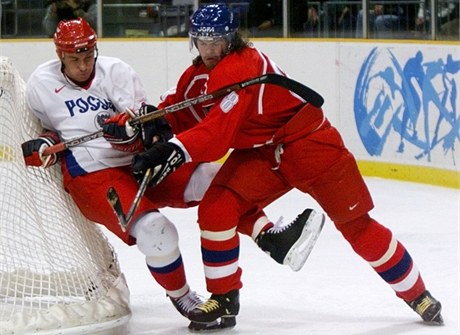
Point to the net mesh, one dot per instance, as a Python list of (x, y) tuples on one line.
[(57, 270)]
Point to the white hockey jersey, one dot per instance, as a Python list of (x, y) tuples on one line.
[(72, 111)]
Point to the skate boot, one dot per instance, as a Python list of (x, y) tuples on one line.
[(218, 312), (291, 244), (186, 303), (428, 308)]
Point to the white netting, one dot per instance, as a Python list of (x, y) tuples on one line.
[(57, 270)]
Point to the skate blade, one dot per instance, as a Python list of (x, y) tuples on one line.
[(226, 323), (299, 252), (437, 321)]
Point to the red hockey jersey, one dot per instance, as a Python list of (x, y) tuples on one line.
[(243, 119)]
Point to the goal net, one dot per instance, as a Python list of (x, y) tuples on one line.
[(58, 273)]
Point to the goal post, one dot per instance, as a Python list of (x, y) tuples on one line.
[(58, 272)]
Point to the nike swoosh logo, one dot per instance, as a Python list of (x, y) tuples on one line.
[(353, 206), (57, 90)]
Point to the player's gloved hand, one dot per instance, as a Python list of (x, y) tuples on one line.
[(32, 150), (116, 129), (162, 158), (157, 130), (119, 133)]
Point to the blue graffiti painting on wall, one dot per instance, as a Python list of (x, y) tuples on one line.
[(415, 104)]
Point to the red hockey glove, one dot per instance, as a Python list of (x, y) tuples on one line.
[(32, 150), (162, 158), (117, 131), (157, 130)]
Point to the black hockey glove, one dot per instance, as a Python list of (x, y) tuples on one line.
[(162, 158), (157, 130)]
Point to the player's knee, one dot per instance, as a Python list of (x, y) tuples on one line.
[(155, 235), (367, 237), (352, 229)]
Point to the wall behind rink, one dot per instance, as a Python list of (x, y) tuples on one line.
[(396, 104)]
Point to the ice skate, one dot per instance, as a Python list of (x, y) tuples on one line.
[(218, 312), (292, 244), (201, 327), (186, 303), (428, 308)]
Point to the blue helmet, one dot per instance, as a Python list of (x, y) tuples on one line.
[(213, 21)]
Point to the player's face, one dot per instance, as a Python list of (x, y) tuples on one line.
[(212, 51), (79, 66)]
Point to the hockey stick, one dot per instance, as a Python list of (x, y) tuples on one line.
[(115, 203), (303, 91), (61, 146)]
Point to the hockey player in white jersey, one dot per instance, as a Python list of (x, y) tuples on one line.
[(73, 96), (78, 94)]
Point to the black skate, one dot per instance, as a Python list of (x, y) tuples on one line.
[(218, 312), (428, 308), (200, 327), (186, 303), (293, 243)]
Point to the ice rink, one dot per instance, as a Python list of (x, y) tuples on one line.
[(336, 292)]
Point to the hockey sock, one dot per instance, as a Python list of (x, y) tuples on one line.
[(385, 254)]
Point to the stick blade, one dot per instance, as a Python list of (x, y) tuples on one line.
[(305, 92), (114, 202)]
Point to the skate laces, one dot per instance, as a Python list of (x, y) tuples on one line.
[(189, 301), (209, 305), (278, 227), (421, 306)]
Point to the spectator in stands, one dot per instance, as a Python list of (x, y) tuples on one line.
[(59, 10), (447, 16), (383, 21), (265, 18), (311, 27), (338, 17)]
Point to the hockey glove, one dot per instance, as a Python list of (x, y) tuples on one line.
[(162, 158), (117, 131), (32, 150), (154, 131)]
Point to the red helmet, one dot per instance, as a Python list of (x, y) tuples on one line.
[(74, 36)]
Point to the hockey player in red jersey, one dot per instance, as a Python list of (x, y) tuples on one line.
[(279, 142), (80, 93)]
